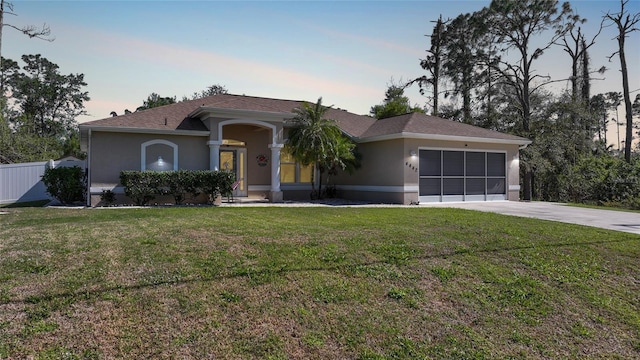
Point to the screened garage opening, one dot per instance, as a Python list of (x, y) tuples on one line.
[(454, 175)]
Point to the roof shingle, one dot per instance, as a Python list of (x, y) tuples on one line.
[(176, 117), (418, 123)]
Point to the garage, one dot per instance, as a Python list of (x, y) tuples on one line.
[(462, 175)]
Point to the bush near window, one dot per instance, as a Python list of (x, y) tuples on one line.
[(143, 186), (67, 184)]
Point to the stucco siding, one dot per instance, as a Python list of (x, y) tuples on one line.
[(115, 152), (390, 174), (382, 165)]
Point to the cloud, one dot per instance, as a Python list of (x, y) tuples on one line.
[(177, 58), (125, 69)]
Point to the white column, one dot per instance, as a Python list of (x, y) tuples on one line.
[(275, 166), (214, 155)]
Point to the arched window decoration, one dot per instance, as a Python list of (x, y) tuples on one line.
[(158, 155)]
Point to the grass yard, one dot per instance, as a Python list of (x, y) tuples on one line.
[(313, 283)]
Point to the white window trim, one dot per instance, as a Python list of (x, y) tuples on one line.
[(297, 172), (143, 152)]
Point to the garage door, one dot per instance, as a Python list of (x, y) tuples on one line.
[(452, 175)]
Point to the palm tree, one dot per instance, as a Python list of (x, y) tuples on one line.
[(314, 139), (345, 158)]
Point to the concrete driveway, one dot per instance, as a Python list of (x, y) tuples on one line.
[(606, 219)]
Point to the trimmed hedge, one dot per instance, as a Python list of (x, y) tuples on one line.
[(143, 186), (67, 184)]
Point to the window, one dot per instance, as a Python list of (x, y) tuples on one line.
[(291, 171)]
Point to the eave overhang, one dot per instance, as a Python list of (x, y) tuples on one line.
[(143, 130), (207, 111), (420, 136)]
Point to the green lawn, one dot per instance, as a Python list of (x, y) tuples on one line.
[(313, 283)]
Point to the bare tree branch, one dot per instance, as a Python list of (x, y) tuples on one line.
[(33, 32), (625, 24)]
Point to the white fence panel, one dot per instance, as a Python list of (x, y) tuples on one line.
[(23, 182)]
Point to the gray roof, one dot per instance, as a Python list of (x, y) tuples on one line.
[(360, 127), (415, 124)]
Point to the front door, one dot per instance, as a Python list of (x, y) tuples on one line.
[(235, 160)]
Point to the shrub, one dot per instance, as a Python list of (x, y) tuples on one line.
[(142, 186), (67, 184), (108, 196), (175, 185), (633, 203), (602, 179), (214, 183)]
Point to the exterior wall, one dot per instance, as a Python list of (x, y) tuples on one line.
[(381, 178), (390, 174), (389, 197), (297, 194), (512, 151), (382, 165), (114, 152)]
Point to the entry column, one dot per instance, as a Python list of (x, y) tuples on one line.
[(214, 155), (275, 195)]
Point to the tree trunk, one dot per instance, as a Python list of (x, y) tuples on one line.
[(466, 96), (435, 97), (313, 181), (320, 170), (437, 54), (526, 118), (627, 100)]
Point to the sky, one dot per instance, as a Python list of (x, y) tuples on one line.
[(346, 52)]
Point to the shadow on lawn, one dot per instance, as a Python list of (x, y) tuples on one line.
[(87, 294)]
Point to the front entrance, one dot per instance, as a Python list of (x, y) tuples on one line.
[(235, 160)]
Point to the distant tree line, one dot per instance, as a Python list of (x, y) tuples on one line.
[(38, 111), (156, 100), (480, 68)]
